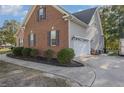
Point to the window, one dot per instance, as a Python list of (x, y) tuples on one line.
[(32, 39), (53, 38), (41, 13), (20, 42)]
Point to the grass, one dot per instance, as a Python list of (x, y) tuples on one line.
[(17, 76), (4, 50), (113, 53)]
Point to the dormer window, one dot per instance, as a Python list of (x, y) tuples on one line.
[(41, 13)]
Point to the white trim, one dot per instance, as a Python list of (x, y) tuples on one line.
[(28, 15), (100, 23), (81, 37), (69, 34), (99, 19), (51, 37), (93, 16), (61, 9), (81, 42), (74, 19)]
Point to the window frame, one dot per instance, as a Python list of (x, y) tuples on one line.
[(21, 42), (32, 40), (51, 40), (43, 16)]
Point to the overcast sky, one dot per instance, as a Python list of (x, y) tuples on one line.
[(8, 12)]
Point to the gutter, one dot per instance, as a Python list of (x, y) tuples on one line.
[(69, 16), (75, 20)]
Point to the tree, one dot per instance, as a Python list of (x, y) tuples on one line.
[(11, 25), (8, 30), (113, 24), (2, 37)]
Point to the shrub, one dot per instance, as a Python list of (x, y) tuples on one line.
[(33, 52), (17, 51), (65, 55), (26, 52), (12, 48), (49, 54)]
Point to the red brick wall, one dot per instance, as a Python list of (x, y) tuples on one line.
[(19, 35), (53, 18)]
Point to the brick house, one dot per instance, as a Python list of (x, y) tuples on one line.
[(52, 27)]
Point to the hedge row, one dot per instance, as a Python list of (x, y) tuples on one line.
[(64, 56), (20, 51)]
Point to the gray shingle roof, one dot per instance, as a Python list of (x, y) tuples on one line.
[(85, 15)]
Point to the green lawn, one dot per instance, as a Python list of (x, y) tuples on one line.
[(113, 53), (4, 50), (17, 76)]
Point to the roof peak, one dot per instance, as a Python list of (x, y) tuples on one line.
[(93, 8), (85, 15)]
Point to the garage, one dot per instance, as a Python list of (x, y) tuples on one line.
[(81, 46)]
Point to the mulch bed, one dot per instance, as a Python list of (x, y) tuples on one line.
[(43, 60)]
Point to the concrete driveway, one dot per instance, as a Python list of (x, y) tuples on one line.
[(109, 70), (99, 71)]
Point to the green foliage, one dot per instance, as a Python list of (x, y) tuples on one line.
[(26, 52), (113, 53), (65, 55), (49, 54), (4, 50), (12, 48), (112, 23), (7, 32), (33, 52), (17, 51)]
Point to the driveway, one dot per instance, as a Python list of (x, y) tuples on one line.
[(99, 71), (109, 70)]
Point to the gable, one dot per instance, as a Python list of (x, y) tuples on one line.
[(33, 8), (85, 15), (52, 15), (61, 10)]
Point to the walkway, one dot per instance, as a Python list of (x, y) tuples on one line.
[(83, 75)]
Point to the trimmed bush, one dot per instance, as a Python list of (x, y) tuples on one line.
[(34, 52), (65, 55), (26, 52), (49, 54), (17, 51), (12, 48)]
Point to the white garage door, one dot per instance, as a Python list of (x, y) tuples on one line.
[(81, 48)]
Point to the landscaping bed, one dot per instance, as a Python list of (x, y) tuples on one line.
[(43, 60)]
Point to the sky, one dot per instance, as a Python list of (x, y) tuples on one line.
[(18, 12)]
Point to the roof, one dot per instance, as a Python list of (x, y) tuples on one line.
[(85, 15)]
